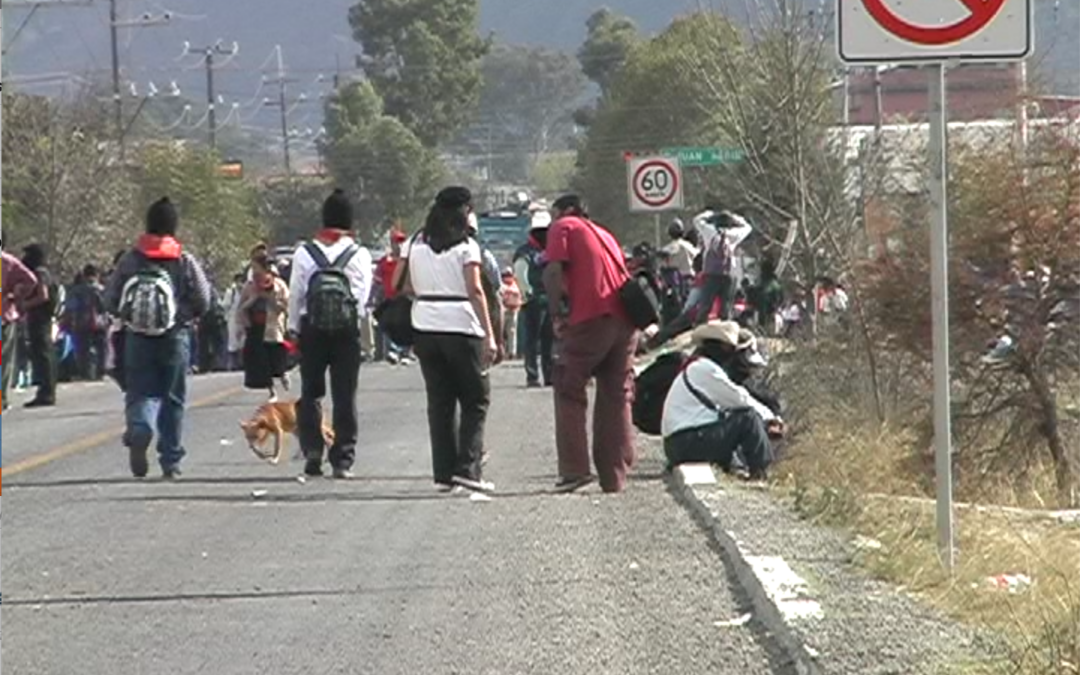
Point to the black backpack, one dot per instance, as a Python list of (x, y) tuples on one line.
[(331, 305), (651, 388)]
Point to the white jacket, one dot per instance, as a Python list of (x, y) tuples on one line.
[(683, 410)]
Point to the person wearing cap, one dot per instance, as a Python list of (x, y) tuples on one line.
[(538, 337), (510, 294), (679, 255), (155, 367), (456, 339), (320, 349), (384, 283), (583, 276), (708, 417)]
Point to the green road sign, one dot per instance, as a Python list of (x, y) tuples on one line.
[(704, 156)]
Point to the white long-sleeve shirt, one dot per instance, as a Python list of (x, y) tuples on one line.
[(683, 410), (735, 235), (359, 271)]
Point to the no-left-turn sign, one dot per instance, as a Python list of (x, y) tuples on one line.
[(654, 184), (899, 31)]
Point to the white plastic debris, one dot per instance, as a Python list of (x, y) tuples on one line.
[(1013, 583), (226, 441), (734, 623), (301, 479), (635, 566), (479, 497), (258, 494), (867, 544), (811, 651)]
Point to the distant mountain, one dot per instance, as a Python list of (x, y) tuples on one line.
[(315, 37)]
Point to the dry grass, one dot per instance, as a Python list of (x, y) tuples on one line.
[(833, 470)]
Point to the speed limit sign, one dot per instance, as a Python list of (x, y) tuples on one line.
[(655, 184)]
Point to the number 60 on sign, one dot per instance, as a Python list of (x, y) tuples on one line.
[(654, 184)]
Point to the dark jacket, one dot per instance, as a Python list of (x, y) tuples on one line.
[(189, 279)]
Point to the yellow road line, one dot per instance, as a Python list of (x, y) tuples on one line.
[(91, 442)]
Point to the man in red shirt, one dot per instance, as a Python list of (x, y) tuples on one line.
[(585, 269)]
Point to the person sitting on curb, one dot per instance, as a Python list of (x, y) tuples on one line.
[(708, 417)]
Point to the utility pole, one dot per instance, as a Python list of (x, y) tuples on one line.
[(282, 104), (114, 42), (118, 100), (208, 54)]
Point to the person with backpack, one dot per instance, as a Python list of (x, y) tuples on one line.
[(719, 264), (538, 337), (86, 320), (158, 291), (328, 297), (709, 417), (41, 315)]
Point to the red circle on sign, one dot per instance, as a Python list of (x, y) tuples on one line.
[(982, 12), (667, 166)]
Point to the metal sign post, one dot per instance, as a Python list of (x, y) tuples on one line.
[(939, 290), (935, 33)]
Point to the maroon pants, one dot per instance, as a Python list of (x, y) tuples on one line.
[(602, 348)]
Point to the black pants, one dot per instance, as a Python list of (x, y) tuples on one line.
[(454, 376), (43, 359), (538, 339), (716, 286), (717, 443), (90, 355), (340, 353)]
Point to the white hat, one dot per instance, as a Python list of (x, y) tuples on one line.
[(726, 332), (541, 220)]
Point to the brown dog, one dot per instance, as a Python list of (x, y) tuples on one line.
[(275, 420)]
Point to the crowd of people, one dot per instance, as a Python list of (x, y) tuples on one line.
[(572, 305)]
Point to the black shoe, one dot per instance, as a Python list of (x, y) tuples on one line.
[(40, 403), (533, 385), (313, 468), (343, 474), (172, 473), (568, 485), (137, 460)]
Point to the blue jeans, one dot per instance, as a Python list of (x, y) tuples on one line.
[(156, 379)]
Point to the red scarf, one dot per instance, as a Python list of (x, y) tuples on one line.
[(331, 235)]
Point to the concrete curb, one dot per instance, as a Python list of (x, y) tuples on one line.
[(765, 609)]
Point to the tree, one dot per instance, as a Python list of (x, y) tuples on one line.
[(607, 46), (63, 187), (290, 208), (218, 217), (652, 103), (1014, 234), (423, 58), (526, 107), (375, 158)]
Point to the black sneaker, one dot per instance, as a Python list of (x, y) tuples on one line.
[(568, 485), (533, 385), (172, 473), (39, 403), (138, 462), (313, 468)]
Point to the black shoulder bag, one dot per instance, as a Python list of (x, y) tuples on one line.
[(395, 314)]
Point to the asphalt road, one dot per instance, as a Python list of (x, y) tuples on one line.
[(240, 569)]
